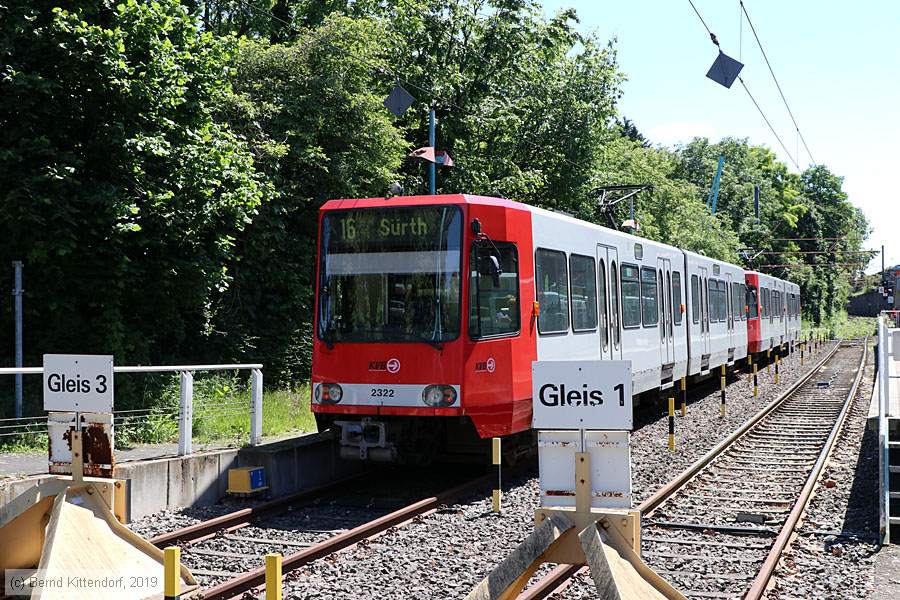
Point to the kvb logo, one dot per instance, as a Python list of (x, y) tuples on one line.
[(486, 366), (393, 365)]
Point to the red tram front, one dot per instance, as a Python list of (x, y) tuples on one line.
[(424, 335)]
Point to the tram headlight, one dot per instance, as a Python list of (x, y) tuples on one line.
[(439, 396), (328, 393)]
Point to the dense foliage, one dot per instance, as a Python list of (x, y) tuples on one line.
[(161, 163)]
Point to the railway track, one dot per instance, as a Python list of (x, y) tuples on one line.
[(719, 528), (305, 527)]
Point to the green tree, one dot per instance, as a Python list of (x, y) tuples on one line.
[(120, 191), (312, 111)]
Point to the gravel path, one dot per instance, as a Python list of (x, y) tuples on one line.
[(833, 557), (446, 553)]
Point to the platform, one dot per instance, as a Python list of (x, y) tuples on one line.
[(198, 479)]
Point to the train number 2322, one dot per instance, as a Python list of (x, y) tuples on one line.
[(382, 393)]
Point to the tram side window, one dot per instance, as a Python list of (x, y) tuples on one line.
[(764, 311), (737, 306), (713, 298), (493, 300), (676, 297), (649, 297), (553, 291), (723, 302), (695, 299), (601, 301), (780, 306), (631, 296), (752, 302), (743, 296), (614, 303), (584, 293)]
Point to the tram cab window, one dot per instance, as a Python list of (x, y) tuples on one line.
[(493, 300), (743, 298), (552, 291), (676, 297), (752, 302), (584, 292), (649, 297), (695, 299), (631, 296)]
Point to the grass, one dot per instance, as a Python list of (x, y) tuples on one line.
[(844, 326), (221, 416)]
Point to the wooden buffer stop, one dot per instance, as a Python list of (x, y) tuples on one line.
[(72, 524), (585, 517)]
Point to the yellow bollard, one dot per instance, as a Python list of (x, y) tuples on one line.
[(750, 365), (172, 573), (273, 576), (683, 396), (671, 424), (777, 362), (722, 405), (768, 361), (755, 383), (495, 455)]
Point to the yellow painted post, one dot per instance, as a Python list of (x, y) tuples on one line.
[(684, 396), (750, 365), (777, 362), (722, 405), (768, 361), (273, 576), (671, 424), (755, 382), (172, 573), (495, 499), (801, 353)]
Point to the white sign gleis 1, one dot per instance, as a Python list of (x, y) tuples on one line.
[(78, 383), (581, 394)]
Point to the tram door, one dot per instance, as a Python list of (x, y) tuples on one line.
[(664, 285), (610, 323), (704, 309)]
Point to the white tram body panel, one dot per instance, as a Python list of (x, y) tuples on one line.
[(716, 315), (793, 311)]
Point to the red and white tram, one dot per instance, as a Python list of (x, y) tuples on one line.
[(431, 309), (773, 309)]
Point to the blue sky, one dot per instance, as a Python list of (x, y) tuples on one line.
[(838, 64)]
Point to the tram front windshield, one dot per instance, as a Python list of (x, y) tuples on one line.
[(390, 275)]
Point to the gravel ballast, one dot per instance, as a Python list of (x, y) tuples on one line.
[(445, 554), (833, 554)]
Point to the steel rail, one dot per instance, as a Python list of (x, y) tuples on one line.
[(256, 577), (557, 577), (662, 494), (758, 587), (246, 516), (553, 582)]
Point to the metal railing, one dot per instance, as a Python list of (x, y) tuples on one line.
[(186, 396), (887, 322)]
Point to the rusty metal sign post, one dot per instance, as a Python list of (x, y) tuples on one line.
[(48, 530)]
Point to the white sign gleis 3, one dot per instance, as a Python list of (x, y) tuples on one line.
[(78, 383), (581, 394)]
